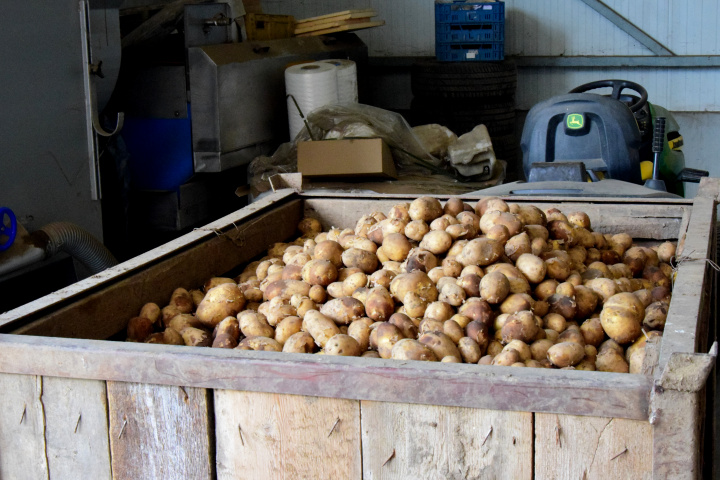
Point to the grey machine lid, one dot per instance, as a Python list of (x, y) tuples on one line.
[(603, 188)]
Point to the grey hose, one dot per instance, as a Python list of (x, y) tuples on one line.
[(78, 243)]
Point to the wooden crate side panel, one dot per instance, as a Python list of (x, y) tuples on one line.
[(106, 312), (659, 222), (569, 447), (79, 290), (77, 428), (404, 441), (22, 427), (271, 436), (159, 432)]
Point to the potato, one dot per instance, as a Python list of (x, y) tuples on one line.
[(506, 358), (183, 321), (555, 322), (666, 252), (168, 336), (437, 242), (310, 225), (321, 327), (195, 337), (261, 344), (343, 345), (622, 317), (379, 304), (222, 301), (452, 294), (360, 331), (451, 267), (396, 246), (520, 326), (499, 233), (210, 283), (603, 287), (510, 221), (362, 259), (416, 230), (426, 209), (441, 345), (286, 328), (532, 266), (586, 301), (420, 259), (489, 204), (494, 287), (343, 310), (655, 316), (330, 251), (435, 275), (319, 272), (453, 206), (139, 328), (414, 305), (481, 252), (557, 264), (517, 246), (300, 342), (539, 348), (635, 258), (566, 354), (610, 360), (453, 330), (386, 336), (183, 301), (562, 305), (592, 331), (285, 289), (521, 347), (469, 350), (431, 325), (580, 219), (516, 303), (410, 349), (417, 282)]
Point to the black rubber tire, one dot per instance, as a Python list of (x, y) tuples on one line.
[(430, 78)]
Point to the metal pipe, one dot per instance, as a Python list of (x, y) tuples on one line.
[(77, 242)]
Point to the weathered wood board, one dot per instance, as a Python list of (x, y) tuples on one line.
[(270, 436), (159, 431), (569, 447), (77, 428), (402, 441), (22, 427)]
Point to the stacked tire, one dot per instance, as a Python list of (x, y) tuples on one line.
[(462, 95)]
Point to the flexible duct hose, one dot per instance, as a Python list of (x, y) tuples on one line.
[(78, 243)]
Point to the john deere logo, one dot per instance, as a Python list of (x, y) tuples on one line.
[(575, 121)]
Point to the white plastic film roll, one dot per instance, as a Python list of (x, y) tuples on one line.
[(311, 85), (346, 79)]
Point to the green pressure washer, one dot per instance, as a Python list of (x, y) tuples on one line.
[(585, 137)]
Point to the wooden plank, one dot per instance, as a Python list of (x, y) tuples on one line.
[(347, 27), (690, 299), (568, 447), (159, 431), (344, 14), (401, 441), (331, 23), (22, 428), (660, 222), (117, 303), (91, 284), (429, 383), (677, 438), (270, 436), (77, 428)]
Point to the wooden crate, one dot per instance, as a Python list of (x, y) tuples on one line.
[(75, 402)]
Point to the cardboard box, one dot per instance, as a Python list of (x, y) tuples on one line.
[(359, 157)]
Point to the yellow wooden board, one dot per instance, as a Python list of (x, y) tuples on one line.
[(344, 28), (345, 13), (332, 22)]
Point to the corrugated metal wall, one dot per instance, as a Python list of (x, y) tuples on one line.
[(561, 27)]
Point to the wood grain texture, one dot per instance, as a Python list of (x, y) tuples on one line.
[(650, 221), (77, 428), (22, 428), (677, 435), (270, 436), (429, 383), (117, 303), (159, 432), (571, 447), (154, 258), (402, 441)]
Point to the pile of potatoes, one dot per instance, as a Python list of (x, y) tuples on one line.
[(492, 284)]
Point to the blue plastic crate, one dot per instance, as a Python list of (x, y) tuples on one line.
[(467, 12), (472, 52), (461, 32)]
